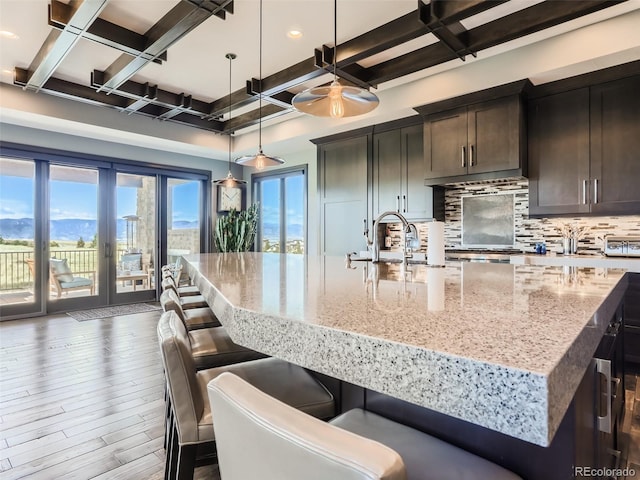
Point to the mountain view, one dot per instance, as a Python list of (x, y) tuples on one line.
[(70, 229)]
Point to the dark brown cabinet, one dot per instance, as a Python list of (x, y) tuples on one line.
[(584, 149), (475, 142), (398, 183), (343, 192)]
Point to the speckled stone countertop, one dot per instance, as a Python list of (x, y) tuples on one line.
[(502, 346)]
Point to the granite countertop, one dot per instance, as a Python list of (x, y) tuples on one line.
[(499, 345)]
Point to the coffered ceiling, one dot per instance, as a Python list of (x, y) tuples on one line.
[(166, 58)]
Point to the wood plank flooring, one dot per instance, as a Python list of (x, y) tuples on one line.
[(82, 400)]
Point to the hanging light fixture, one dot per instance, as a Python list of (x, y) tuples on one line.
[(229, 180), (336, 100), (260, 160)]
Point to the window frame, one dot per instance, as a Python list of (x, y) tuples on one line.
[(282, 174)]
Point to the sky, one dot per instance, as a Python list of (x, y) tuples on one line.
[(74, 200), (294, 201)]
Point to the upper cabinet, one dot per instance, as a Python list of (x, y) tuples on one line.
[(583, 150), (479, 140), (398, 180)]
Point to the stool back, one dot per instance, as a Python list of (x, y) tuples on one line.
[(258, 436), (169, 300), (180, 371)]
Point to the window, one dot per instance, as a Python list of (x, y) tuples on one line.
[(282, 223)]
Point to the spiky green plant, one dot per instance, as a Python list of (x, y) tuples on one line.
[(236, 231)]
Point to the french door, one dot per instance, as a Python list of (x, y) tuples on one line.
[(79, 233)]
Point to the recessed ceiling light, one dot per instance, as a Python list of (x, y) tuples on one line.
[(294, 33), (7, 34)]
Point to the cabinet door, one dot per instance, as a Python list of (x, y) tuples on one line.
[(387, 172), (445, 144), (615, 147), (494, 136), (416, 200), (559, 153), (342, 182)]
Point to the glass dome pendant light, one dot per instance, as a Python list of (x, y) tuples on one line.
[(336, 100), (229, 180), (260, 160)]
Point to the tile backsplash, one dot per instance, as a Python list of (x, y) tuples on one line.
[(528, 231)]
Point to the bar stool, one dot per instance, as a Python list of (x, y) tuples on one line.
[(261, 437), (186, 301), (194, 318), (190, 424), (182, 290)]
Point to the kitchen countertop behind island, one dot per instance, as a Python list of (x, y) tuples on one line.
[(502, 346)]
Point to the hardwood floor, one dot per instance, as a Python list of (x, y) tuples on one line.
[(82, 400)]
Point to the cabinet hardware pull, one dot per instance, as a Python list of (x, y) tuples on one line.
[(595, 190), (464, 163), (398, 203), (604, 367), (107, 250), (404, 204), (471, 162), (584, 192)]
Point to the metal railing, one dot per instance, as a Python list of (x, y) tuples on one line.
[(15, 273)]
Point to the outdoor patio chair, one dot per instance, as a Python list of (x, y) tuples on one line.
[(62, 279)]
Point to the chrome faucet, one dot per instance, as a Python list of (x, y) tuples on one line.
[(375, 244)]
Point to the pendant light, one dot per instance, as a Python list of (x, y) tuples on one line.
[(229, 180), (260, 160), (336, 100)]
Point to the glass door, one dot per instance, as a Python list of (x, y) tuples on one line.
[(133, 250), (283, 204), (184, 200), (20, 278)]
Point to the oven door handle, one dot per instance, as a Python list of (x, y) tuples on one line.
[(604, 367)]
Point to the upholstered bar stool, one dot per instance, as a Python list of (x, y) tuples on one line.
[(182, 290), (186, 302), (191, 424), (194, 318), (261, 437)]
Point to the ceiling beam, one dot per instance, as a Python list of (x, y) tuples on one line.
[(59, 43), (102, 31), (253, 118), (177, 23), (524, 22), (62, 88)]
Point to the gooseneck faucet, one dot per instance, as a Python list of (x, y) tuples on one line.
[(375, 244)]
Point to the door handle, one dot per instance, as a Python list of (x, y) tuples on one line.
[(398, 203), (464, 157), (471, 162), (584, 192), (604, 367), (107, 250), (595, 190), (404, 204)]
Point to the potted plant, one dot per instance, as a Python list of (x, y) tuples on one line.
[(236, 231)]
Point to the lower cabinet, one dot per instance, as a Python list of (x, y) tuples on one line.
[(632, 323)]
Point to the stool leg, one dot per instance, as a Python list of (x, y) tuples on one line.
[(171, 464), (186, 461)]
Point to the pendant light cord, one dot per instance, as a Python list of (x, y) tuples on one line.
[(230, 60), (335, 39), (260, 89)]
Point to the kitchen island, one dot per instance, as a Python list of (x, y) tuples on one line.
[(497, 345)]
